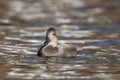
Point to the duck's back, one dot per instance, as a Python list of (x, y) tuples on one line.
[(68, 50)]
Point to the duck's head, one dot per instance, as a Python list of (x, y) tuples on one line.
[(51, 32), (51, 36)]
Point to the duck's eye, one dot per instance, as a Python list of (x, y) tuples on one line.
[(53, 33)]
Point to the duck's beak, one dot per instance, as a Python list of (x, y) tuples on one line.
[(58, 32)]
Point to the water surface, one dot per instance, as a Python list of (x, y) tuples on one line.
[(92, 26)]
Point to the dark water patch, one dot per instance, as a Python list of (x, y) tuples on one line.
[(35, 56), (104, 29), (67, 38), (115, 42), (112, 58), (94, 7), (88, 58), (93, 28), (84, 22), (37, 46), (115, 0), (35, 23), (32, 60), (77, 23), (35, 37), (71, 61), (101, 43), (110, 29)]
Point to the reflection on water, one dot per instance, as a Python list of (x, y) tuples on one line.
[(93, 26)]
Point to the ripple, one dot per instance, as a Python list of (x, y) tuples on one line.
[(15, 73)]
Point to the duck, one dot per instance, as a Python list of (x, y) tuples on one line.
[(52, 48)]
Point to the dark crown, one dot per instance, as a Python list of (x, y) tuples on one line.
[(51, 30)]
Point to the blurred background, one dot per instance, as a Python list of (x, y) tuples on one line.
[(92, 25)]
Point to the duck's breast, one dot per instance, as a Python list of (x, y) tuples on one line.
[(50, 51)]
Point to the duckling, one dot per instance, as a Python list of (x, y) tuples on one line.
[(51, 47)]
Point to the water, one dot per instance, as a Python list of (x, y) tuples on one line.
[(93, 26)]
